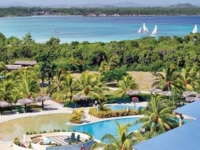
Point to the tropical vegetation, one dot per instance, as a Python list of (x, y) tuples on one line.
[(123, 141), (184, 9)]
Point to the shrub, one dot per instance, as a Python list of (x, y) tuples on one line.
[(108, 114), (16, 141)]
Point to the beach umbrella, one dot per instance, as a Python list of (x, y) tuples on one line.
[(166, 93), (155, 91), (188, 93), (80, 97), (190, 99), (4, 104), (42, 99), (135, 99), (25, 101), (133, 92)]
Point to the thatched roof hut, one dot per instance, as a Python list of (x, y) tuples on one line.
[(25, 63)]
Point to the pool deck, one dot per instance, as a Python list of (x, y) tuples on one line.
[(51, 108)]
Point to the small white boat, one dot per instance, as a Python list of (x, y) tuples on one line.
[(195, 29), (140, 30), (145, 29), (154, 32)]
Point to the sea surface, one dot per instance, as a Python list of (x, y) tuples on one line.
[(95, 29)]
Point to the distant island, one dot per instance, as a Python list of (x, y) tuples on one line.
[(180, 9)]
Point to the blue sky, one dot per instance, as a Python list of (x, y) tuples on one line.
[(72, 2)]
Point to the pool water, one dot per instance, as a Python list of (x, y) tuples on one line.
[(99, 129), (121, 106), (18, 127)]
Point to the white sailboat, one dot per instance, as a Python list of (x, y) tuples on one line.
[(154, 32), (145, 29), (140, 30), (195, 29)]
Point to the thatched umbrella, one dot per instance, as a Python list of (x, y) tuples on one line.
[(3, 104), (189, 93), (25, 101), (42, 99), (166, 93), (190, 99), (155, 91), (133, 92)]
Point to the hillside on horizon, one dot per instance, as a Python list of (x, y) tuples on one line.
[(93, 5)]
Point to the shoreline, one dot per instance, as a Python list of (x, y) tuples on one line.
[(65, 15)]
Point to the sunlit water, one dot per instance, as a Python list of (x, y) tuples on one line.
[(121, 107), (99, 129), (18, 127), (94, 29)]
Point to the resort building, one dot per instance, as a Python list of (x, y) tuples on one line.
[(185, 137), (13, 67), (25, 63)]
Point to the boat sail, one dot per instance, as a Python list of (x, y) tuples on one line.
[(195, 29), (145, 29), (140, 30), (154, 32)]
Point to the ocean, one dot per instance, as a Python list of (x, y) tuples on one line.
[(95, 29)]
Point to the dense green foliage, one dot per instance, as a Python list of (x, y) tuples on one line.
[(109, 113), (145, 54), (27, 11)]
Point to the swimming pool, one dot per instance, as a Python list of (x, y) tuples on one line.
[(18, 127), (99, 129), (122, 106)]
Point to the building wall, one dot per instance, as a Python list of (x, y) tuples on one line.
[(87, 146)]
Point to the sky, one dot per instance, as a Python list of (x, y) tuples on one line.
[(75, 2)]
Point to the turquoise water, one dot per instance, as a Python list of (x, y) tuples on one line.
[(93, 29), (120, 107), (99, 129)]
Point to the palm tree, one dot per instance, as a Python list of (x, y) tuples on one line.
[(86, 84), (110, 64), (69, 86), (77, 115), (126, 84), (167, 80), (7, 91), (123, 141), (57, 83), (189, 78), (158, 116), (28, 84)]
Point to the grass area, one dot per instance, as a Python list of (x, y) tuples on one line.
[(143, 79)]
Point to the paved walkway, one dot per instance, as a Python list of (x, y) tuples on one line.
[(51, 107)]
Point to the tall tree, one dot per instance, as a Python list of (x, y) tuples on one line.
[(158, 116), (69, 87), (167, 80), (127, 83), (123, 141), (28, 84), (189, 78), (57, 83), (86, 84)]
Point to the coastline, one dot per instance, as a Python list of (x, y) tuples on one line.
[(126, 15)]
